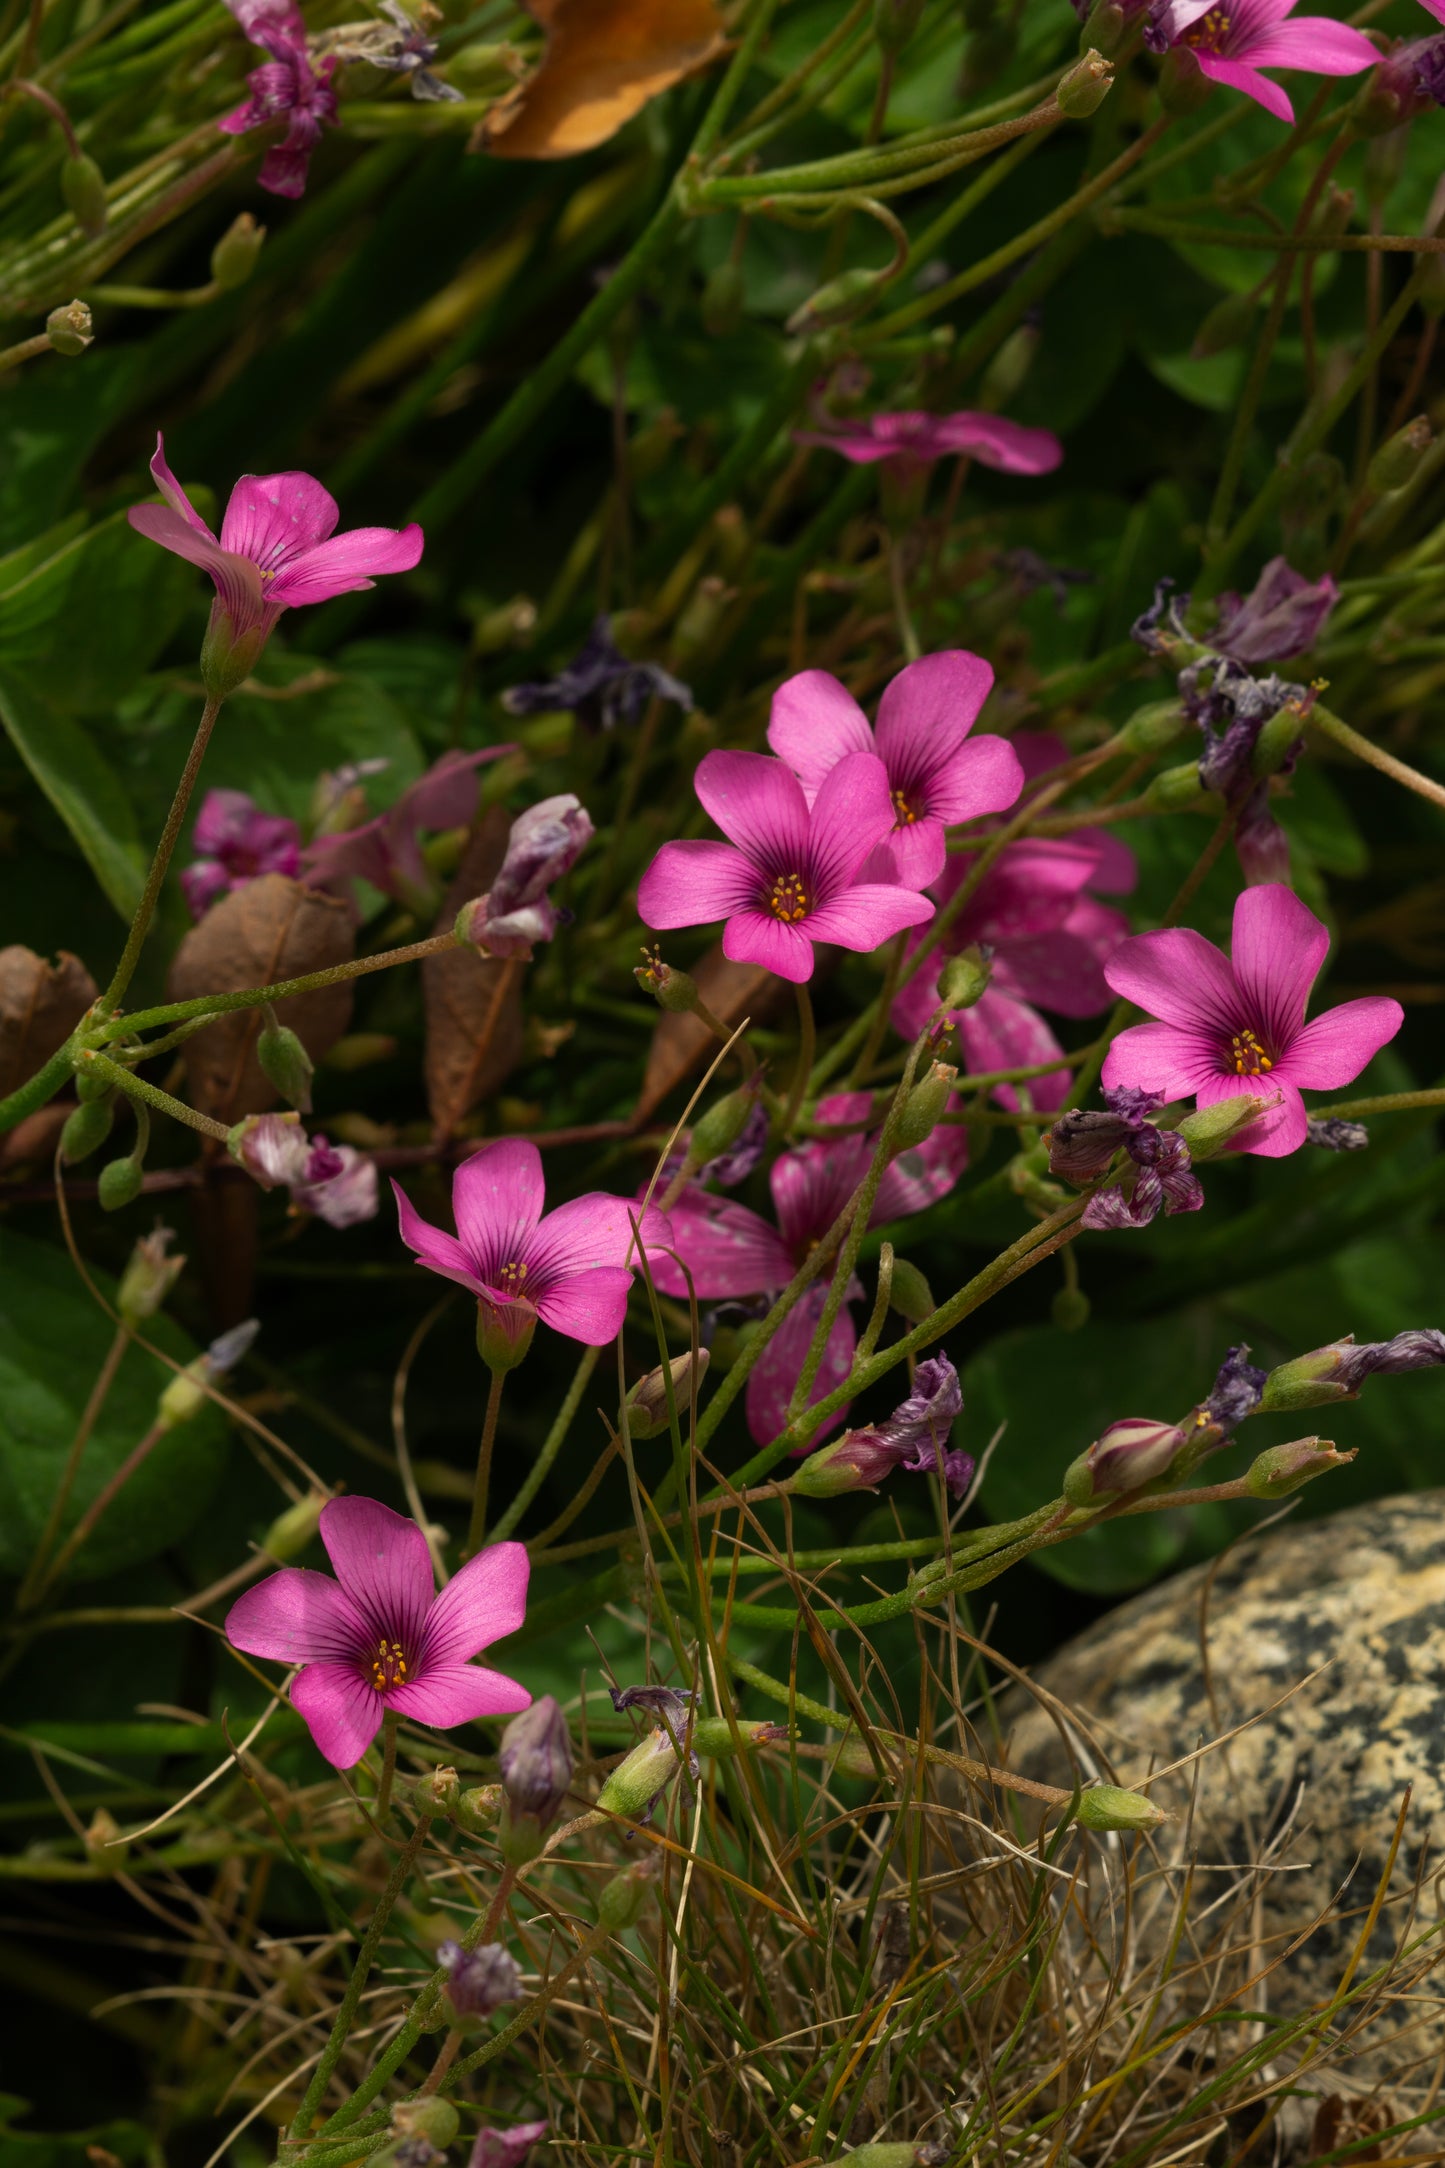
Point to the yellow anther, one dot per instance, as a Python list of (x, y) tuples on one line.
[(389, 1666), (906, 813), (788, 899)]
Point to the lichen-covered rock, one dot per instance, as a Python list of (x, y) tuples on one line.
[(1327, 1642)]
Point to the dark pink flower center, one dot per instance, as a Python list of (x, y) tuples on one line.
[(388, 1665), (1248, 1053), (1211, 33), (909, 809), (787, 898)]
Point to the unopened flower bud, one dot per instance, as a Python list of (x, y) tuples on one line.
[(715, 1739), (437, 1792), (90, 1084), (185, 1396), (105, 1843), (722, 300), (1229, 323), (1212, 1130), (285, 1061), (149, 1276), (858, 1460), (478, 1808), (1070, 1309), (83, 186), (1086, 85), (1279, 741), (923, 1106), (720, 1127), (909, 1293), (1005, 374), (840, 300), (478, 1982), (1104, 1806), (234, 256), (120, 1182), (647, 1401), (537, 1762), (624, 1899), (1158, 724), (672, 990), (69, 328), (1132, 1452), (431, 2118), (1332, 216), (1286, 1468), (1104, 30), (638, 1783), (86, 1130), (964, 978), (1397, 460), (291, 1531), (1178, 790)]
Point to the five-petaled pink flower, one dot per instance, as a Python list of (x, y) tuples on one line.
[(378, 1639), (1236, 1024), (235, 842), (937, 773), (915, 440), (790, 874), (1233, 39), (287, 87), (278, 548), (570, 1269), (729, 1250)]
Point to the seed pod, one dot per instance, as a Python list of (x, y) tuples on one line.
[(1086, 85), (234, 256), (83, 186), (624, 1899), (1104, 1806), (69, 329), (120, 1182), (286, 1063), (86, 1129)]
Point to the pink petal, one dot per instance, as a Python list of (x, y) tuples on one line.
[(815, 722), (343, 1711), (1339, 1043), (384, 1566), (983, 776), (1008, 446), (863, 918), (1001, 1033), (727, 1249), (482, 1603), (589, 1307), (347, 562), (1179, 977), (1279, 1131), (1277, 949), (913, 856), (1038, 751), (1238, 76), (236, 579), (1030, 888), (432, 1246), (1313, 43), (852, 813), (172, 491), (918, 1177), (771, 1382), (271, 518), (812, 1183), (295, 1616), (446, 796), (693, 882), (1057, 971), (759, 805), (1163, 1058), (594, 1230), (932, 703), (1116, 870), (458, 1694), (756, 937), (497, 1198)]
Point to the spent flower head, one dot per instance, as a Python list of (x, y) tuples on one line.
[(289, 86), (545, 843), (386, 851), (601, 686), (506, 2148), (478, 1981)]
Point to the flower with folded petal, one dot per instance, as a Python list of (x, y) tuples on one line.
[(1226, 1025), (545, 843), (278, 549), (1282, 615), (1231, 40), (386, 852), (915, 1436), (506, 2148), (790, 873), (1082, 1144), (379, 1640), (570, 1269), (331, 1182), (288, 87), (236, 842), (601, 686), (937, 773), (912, 441), (729, 1250)]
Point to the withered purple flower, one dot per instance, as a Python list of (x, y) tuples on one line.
[(478, 1981), (411, 54), (1082, 1144), (1282, 615), (545, 843), (601, 686), (1334, 1135), (915, 1436), (669, 1703), (1236, 1391), (738, 1161)]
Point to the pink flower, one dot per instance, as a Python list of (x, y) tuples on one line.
[(506, 2148), (937, 774), (386, 851), (1236, 1024), (287, 88), (916, 440), (332, 1182), (790, 874), (1233, 39), (729, 1250), (278, 549), (378, 1639), (236, 842), (570, 1269)]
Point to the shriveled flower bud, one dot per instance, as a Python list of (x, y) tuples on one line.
[(915, 1436), (234, 256), (637, 1784), (1396, 461), (69, 329), (478, 1982), (1286, 1468), (1337, 1372), (149, 1276), (1104, 1806), (478, 1808), (537, 1762), (647, 1401), (431, 2118), (437, 1792), (83, 186), (545, 843), (1333, 1135), (1104, 28), (624, 1899), (291, 1531), (1086, 85), (1132, 1452), (1237, 1391)]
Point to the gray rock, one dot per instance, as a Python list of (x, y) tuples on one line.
[(1327, 1642)]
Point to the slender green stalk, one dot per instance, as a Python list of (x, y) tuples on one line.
[(1330, 726), (256, 997), (136, 1087), (145, 910), (388, 1765), (1345, 1110), (33, 1581), (100, 1505), (478, 1527), (30, 1097), (551, 1446)]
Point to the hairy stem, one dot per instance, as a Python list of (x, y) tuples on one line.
[(160, 864)]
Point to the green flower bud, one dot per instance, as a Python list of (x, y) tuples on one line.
[(1272, 746), (1396, 461), (120, 1182), (437, 1792), (149, 1276), (504, 1333), (1179, 790), (1286, 1468), (1005, 374), (1229, 323), (636, 1784), (647, 1401), (433, 2119), (1151, 728), (624, 1899), (840, 300), (964, 978), (286, 1063), (69, 329), (1104, 1806), (1083, 90), (923, 1106), (291, 1531), (713, 1736), (720, 1127), (83, 186), (86, 1129), (234, 256), (722, 300), (909, 1293), (478, 1808), (1070, 1309), (1211, 1130)]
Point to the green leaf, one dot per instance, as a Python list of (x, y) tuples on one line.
[(53, 1341), (81, 785)]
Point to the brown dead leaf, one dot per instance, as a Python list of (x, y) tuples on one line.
[(29, 1147), (604, 60), (271, 929), (40, 1005), (732, 991), (473, 1003)]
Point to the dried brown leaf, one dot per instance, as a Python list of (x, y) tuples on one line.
[(732, 991), (40, 1005), (473, 1003), (604, 60), (271, 929)]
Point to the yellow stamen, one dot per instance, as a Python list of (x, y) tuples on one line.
[(1249, 1056), (788, 899), (389, 1667)]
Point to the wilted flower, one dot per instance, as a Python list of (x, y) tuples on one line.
[(386, 851), (1082, 1144), (332, 1182), (545, 843), (741, 1157), (915, 1436), (1232, 43), (405, 49), (235, 842), (506, 2148), (149, 1276), (1334, 1135), (671, 1703), (1338, 1371), (1282, 615), (1231, 1025), (601, 686), (1236, 1392), (287, 87), (478, 1981), (916, 440), (379, 1637)]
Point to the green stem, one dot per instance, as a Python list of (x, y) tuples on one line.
[(136, 1087), (101, 1504), (1345, 1110), (388, 1765), (90, 1416), (256, 997), (906, 631), (1330, 726), (552, 1445), (1285, 244), (478, 1526), (145, 910), (30, 1097), (807, 1047)]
